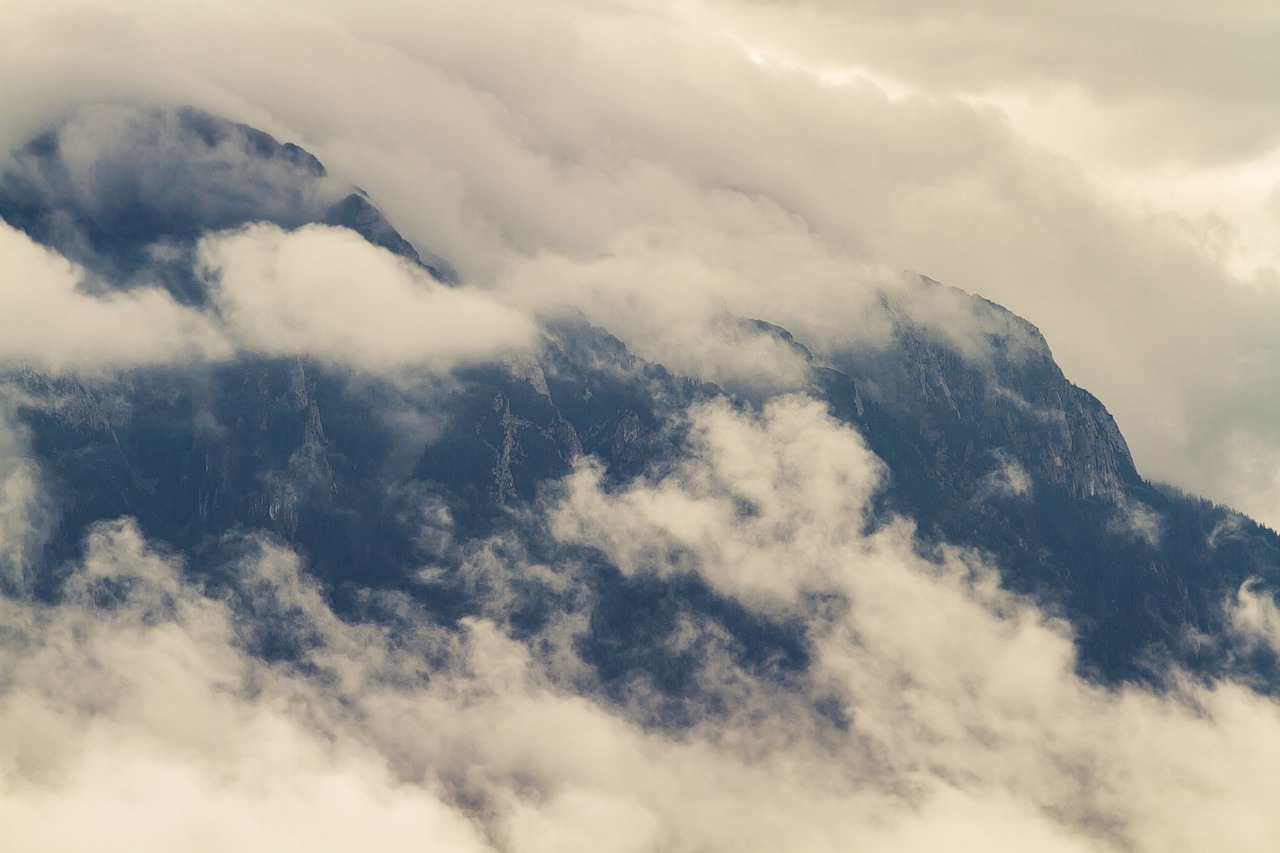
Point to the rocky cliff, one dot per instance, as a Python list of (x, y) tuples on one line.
[(987, 444)]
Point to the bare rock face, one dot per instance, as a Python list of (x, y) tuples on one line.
[(1004, 400), (356, 212), (122, 189)]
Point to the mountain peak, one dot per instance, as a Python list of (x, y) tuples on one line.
[(123, 189)]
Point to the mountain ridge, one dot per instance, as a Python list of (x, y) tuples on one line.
[(987, 444)]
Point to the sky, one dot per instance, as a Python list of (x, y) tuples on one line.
[(1106, 170), (1103, 169)]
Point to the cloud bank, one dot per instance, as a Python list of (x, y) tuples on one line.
[(327, 293), (938, 708), (316, 291), (660, 167), (781, 157), (48, 320)]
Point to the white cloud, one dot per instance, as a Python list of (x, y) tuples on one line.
[(48, 321), (954, 688), (131, 721), (1136, 519), (328, 293), (134, 713), (775, 475), (111, 155), (640, 146), (316, 291), (1009, 480), (26, 512), (1255, 617), (634, 161)]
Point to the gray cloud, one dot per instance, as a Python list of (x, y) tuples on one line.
[(1167, 64)]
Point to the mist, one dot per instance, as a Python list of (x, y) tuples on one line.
[(667, 171)]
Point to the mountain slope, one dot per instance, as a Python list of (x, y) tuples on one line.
[(396, 483)]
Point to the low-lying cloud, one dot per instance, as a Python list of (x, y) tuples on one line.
[(786, 158), (316, 291), (328, 293), (938, 708), (663, 168), (49, 321), (951, 686)]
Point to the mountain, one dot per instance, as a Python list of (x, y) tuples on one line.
[(123, 191), (394, 483), (995, 449)]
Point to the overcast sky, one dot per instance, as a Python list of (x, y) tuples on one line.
[(1103, 169)]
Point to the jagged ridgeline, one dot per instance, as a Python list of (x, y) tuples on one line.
[(123, 190), (988, 445)]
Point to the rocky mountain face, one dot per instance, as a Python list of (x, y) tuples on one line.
[(372, 480), (1009, 402), (124, 191), (998, 451)]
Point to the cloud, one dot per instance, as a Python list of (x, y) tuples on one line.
[(1008, 480), (131, 720), (727, 519), (656, 166), (315, 291), (1138, 56), (328, 293), (27, 513), (187, 169), (140, 702), (783, 160), (1136, 519), (48, 321), (1255, 616), (953, 688)]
